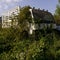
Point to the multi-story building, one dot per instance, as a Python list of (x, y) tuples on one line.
[(8, 16)]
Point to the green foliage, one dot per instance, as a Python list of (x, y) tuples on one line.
[(12, 48), (17, 44), (57, 19), (57, 13), (58, 8), (24, 18)]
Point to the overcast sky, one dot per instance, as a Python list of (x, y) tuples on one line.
[(49, 5)]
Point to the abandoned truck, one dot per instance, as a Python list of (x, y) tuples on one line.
[(42, 19)]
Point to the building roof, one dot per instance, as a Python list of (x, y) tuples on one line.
[(44, 16)]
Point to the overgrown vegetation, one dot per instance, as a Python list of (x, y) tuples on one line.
[(12, 48), (57, 13), (17, 44)]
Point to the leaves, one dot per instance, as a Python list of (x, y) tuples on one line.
[(16, 44), (57, 13)]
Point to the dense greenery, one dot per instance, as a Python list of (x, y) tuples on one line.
[(12, 48), (17, 44), (57, 13)]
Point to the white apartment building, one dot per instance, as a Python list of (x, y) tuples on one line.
[(8, 16)]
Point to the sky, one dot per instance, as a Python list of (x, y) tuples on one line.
[(49, 5)]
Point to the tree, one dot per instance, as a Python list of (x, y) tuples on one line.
[(57, 19), (24, 17), (57, 13), (58, 8)]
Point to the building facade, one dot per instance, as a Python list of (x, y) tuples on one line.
[(8, 16)]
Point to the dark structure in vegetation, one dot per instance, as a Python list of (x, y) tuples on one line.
[(18, 44), (41, 19)]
